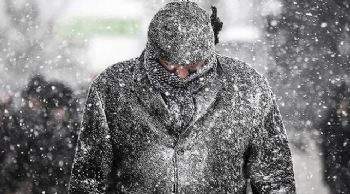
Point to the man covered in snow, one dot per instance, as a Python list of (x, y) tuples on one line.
[(181, 119)]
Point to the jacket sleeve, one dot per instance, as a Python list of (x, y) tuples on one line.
[(92, 162), (270, 165)]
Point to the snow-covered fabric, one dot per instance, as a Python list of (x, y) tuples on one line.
[(181, 33), (126, 144), (177, 92), (145, 130)]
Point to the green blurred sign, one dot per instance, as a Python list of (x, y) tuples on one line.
[(107, 27)]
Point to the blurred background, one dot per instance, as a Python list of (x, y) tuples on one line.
[(50, 51)]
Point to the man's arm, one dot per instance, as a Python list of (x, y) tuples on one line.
[(92, 162), (270, 163)]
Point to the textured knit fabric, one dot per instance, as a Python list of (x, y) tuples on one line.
[(181, 33), (126, 145), (179, 93)]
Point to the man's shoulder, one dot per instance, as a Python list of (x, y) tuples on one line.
[(243, 80), (238, 72), (118, 72)]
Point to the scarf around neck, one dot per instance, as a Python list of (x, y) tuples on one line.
[(178, 93)]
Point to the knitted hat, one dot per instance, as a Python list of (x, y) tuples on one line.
[(181, 33)]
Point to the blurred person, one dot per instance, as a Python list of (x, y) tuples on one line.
[(26, 119), (335, 130), (181, 118), (50, 150), (5, 110), (6, 154), (32, 96)]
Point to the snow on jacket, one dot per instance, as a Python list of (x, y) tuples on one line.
[(125, 145)]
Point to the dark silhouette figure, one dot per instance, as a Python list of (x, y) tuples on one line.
[(8, 150), (51, 143), (40, 140), (335, 130)]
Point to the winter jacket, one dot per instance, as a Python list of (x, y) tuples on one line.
[(126, 145)]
